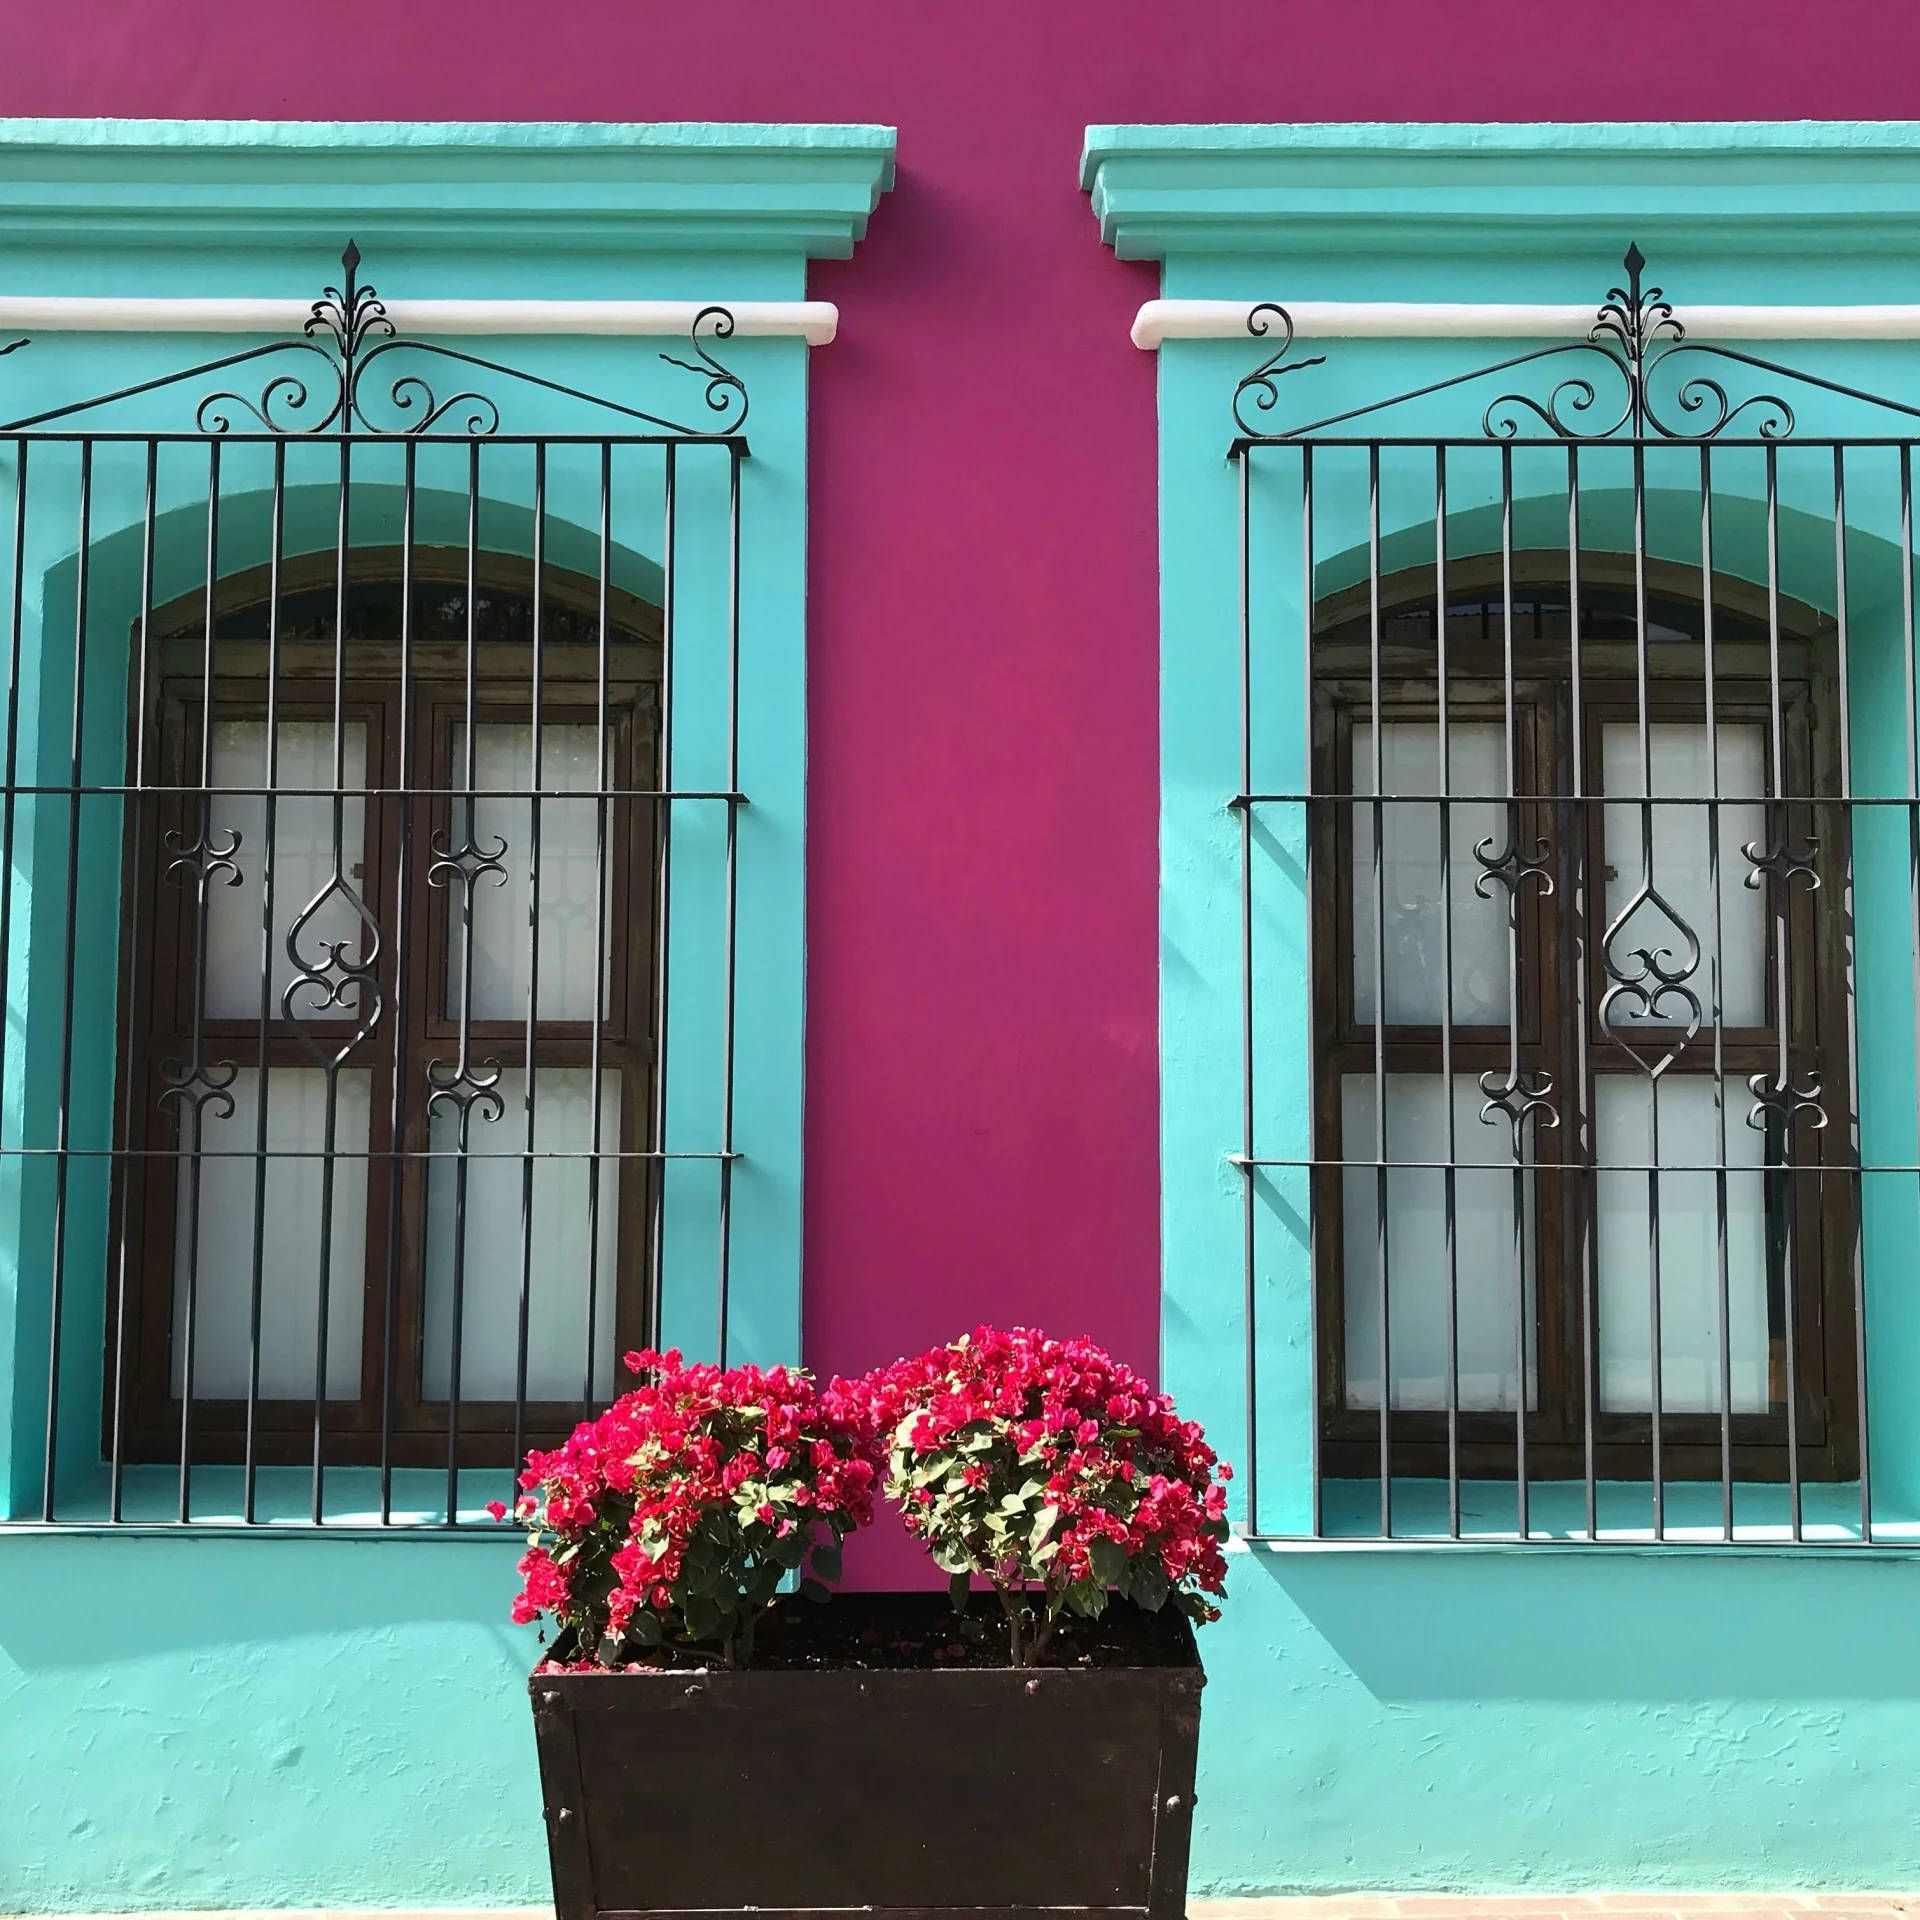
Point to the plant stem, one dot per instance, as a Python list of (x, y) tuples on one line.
[(1016, 1614)]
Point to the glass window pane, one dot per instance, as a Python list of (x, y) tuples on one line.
[(302, 864), (569, 865), (1624, 1124), (490, 1284), (1416, 1247), (1680, 872), (1410, 875), (290, 1245)]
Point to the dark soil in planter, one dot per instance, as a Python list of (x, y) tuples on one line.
[(893, 1632)]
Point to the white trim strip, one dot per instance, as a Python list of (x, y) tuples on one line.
[(1162, 320), (814, 321)]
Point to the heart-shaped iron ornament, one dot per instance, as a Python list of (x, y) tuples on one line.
[(342, 975), (1648, 969)]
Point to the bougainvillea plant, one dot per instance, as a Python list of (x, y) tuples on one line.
[(673, 1518), (1057, 1474)]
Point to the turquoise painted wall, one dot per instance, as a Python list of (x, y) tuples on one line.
[(1493, 1721), (264, 1722), (284, 1720), (1544, 1716)]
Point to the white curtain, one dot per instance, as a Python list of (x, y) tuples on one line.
[(569, 762), (1410, 874), (302, 863), (290, 1210), (1682, 874), (290, 1220), (1688, 1245), (1487, 1285), (490, 1285)]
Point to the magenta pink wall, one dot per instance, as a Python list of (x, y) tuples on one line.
[(981, 1060)]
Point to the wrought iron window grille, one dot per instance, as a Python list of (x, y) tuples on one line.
[(1565, 702), (415, 663)]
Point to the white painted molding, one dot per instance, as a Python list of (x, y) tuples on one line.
[(1162, 320), (814, 321)]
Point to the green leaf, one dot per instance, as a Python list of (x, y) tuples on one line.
[(644, 1627), (1043, 1524), (959, 1587), (826, 1560), (814, 1591), (702, 1616), (1149, 1585), (789, 1550), (1108, 1559)]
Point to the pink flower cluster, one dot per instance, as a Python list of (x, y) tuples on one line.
[(678, 1512), (1042, 1465), (1046, 1463)]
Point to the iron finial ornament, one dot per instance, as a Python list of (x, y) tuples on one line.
[(1635, 375), (321, 380), (1260, 383)]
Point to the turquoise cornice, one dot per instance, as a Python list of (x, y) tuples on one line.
[(532, 188), (1728, 190)]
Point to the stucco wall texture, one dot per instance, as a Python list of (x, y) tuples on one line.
[(321, 1723), (981, 1064)]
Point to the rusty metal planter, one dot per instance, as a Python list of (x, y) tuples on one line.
[(902, 1792)]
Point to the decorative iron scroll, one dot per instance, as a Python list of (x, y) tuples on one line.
[(1636, 376), (342, 378)]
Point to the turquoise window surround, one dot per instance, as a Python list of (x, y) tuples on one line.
[(1798, 214), (515, 212)]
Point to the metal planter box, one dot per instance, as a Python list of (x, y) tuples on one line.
[(900, 1792)]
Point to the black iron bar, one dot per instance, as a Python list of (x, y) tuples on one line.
[(129, 1231), (594, 1091), (1250, 1384), (336, 988), (1780, 898), (729, 966), (1538, 1165), (1316, 1386), (663, 918), (397, 1086), (1717, 987), (1857, 1182), (1378, 851), (1516, 1077), (9, 802), (1911, 714), (1644, 717), (1449, 1179), (468, 1089), (63, 1118), (1585, 1184), (203, 1087), (270, 821), (528, 1090)]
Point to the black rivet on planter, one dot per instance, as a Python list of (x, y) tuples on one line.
[(563, 1813), (550, 1699), (1033, 1686), (1173, 1800)]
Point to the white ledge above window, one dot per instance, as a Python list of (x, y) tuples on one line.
[(1160, 320), (814, 321)]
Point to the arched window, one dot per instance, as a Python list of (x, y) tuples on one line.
[(1566, 933), (388, 1015)]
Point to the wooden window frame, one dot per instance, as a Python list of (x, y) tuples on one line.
[(1824, 1244), (388, 1418)]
